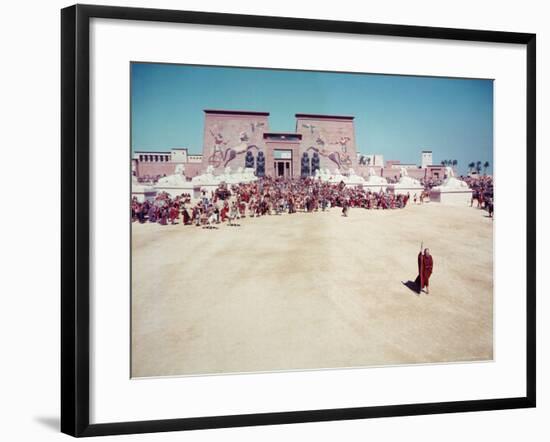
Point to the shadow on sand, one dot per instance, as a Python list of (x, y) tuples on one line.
[(412, 286)]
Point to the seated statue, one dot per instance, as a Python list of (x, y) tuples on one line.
[(305, 170), (315, 163), (249, 160), (260, 164)]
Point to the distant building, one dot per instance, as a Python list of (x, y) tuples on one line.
[(396, 164), (374, 160), (152, 164), (426, 170), (427, 159), (179, 155), (242, 139), (436, 172)]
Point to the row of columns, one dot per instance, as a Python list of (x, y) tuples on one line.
[(154, 158)]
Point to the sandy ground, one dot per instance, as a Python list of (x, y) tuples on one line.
[(310, 291)]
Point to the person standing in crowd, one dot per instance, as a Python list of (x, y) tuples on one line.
[(186, 217), (345, 208), (490, 207), (174, 213), (233, 214)]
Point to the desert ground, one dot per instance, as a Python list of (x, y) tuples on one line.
[(312, 290)]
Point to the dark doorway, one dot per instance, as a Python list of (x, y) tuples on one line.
[(283, 168)]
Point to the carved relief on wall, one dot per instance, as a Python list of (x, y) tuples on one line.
[(226, 146), (334, 149)]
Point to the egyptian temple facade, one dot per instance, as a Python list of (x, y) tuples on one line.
[(242, 139)]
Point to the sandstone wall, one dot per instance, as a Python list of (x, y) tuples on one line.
[(333, 137), (229, 134)]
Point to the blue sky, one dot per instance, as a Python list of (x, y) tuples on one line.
[(396, 116)]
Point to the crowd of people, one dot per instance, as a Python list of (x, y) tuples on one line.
[(482, 192), (266, 196), (275, 196)]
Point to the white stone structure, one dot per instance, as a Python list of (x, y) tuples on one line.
[(141, 191), (349, 179), (404, 166), (406, 184), (179, 155), (453, 191), (177, 184), (375, 183), (427, 159)]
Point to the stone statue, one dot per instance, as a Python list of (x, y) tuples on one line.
[(305, 169), (315, 163), (451, 182), (260, 165), (179, 170), (449, 172), (249, 160), (407, 182)]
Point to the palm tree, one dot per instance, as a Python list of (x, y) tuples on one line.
[(471, 166), (444, 162), (453, 164), (485, 166), (478, 167)]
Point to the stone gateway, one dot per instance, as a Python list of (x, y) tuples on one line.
[(242, 139)]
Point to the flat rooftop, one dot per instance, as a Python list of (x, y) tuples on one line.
[(322, 116), (234, 112)]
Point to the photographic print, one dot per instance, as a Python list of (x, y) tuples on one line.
[(299, 220)]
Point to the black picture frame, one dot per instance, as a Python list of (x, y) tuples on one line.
[(75, 225)]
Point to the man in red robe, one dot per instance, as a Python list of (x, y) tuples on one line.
[(225, 211), (425, 268)]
